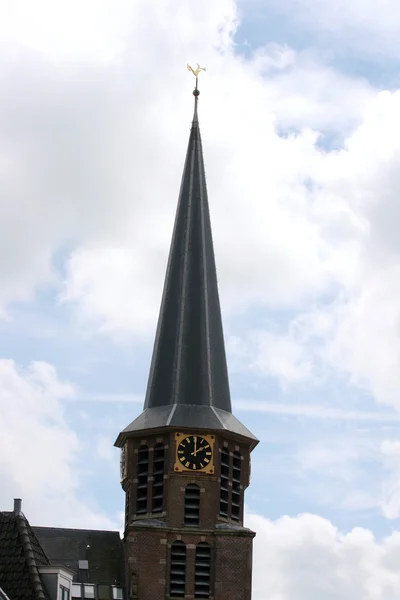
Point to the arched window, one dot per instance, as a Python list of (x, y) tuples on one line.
[(202, 571), (142, 475), (177, 578), (192, 505), (236, 479), (158, 478), (224, 489)]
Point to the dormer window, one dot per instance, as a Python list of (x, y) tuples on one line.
[(88, 590), (99, 592), (64, 593), (117, 593)]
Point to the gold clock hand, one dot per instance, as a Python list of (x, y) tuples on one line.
[(198, 450)]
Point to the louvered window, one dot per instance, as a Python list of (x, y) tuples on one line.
[(236, 478), (142, 475), (158, 478), (202, 571), (177, 583), (224, 489), (127, 506), (192, 505)]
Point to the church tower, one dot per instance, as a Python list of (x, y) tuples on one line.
[(185, 460)]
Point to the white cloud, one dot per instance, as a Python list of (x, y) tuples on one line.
[(100, 164), (357, 335), (92, 163), (301, 91), (93, 160), (104, 447), (282, 356), (52, 27), (297, 558), (314, 411), (390, 497), (114, 288), (39, 449), (90, 160), (356, 330)]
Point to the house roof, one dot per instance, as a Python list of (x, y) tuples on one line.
[(3, 595), (20, 556), (102, 549)]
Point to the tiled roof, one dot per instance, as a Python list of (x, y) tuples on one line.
[(20, 555), (102, 549)]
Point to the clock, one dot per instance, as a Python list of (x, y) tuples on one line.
[(194, 453)]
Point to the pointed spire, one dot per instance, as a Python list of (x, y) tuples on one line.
[(189, 363), (188, 383)]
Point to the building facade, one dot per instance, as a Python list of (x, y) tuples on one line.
[(53, 563)]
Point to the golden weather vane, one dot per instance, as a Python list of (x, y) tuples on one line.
[(196, 71), (196, 89)]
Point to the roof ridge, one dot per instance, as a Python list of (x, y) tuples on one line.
[(3, 595), (22, 525), (75, 529)]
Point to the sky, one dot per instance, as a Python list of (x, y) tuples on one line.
[(300, 120)]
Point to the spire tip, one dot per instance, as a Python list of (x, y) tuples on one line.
[(196, 92)]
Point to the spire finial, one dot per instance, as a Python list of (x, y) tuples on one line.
[(196, 91)]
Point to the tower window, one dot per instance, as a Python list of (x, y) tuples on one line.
[(158, 478), (64, 593), (177, 584), (224, 489), (236, 478), (122, 463), (127, 506), (142, 475), (192, 505), (202, 571)]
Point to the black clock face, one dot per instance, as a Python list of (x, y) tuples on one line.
[(194, 452)]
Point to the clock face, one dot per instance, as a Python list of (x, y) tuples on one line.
[(194, 452)]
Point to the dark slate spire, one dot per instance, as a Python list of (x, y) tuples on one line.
[(189, 363), (188, 384)]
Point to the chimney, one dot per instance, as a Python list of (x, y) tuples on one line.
[(17, 506)]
